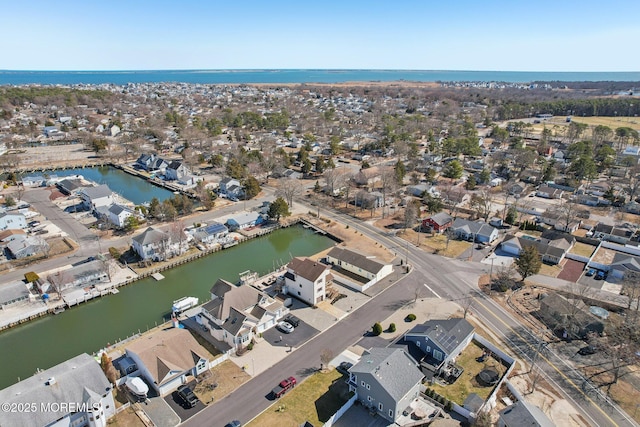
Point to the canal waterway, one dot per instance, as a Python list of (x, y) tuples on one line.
[(132, 188), (91, 326)]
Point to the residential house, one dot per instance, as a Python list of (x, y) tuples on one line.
[(144, 161), (73, 393), (33, 181), (13, 293), (10, 234), (569, 317), (307, 280), (516, 190), (244, 220), (152, 245), (386, 380), (168, 358), (420, 189), (176, 170), (228, 183), (210, 233), (475, 231), (69, 186), (523, 413), (80, 275), (622, 264), (438, 222), (236, 314), (358, 264), (118, 214), (441, 341), (290, 173), (12, 221), (368, 200), (552, 248), (23, 246), (549, 192), (367, 177), (558, 221), (95, 197), (151, 163), (612, 233)]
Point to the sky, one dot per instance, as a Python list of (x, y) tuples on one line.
[(494, 35)]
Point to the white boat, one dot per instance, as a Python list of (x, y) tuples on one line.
[(183, 304), (137, 387)]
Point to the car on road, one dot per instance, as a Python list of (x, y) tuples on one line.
[(234, 423), (285, 327), (344, 367), (601, 275), (187, 396), (590, 272), (292, 320)]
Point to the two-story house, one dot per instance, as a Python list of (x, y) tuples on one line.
[(176, 170), (236, 314), (153, 245), (386, 380), (438, 222), (307, 280), (96, 197)]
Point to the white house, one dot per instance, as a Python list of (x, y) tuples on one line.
[(176, 170), (307, 280), (73, 393), (168, 358), (152, 244), (244, 220), (210, 233), (12, 221), (236, 314), (84, 274), (95, 197), (360, 265), (118, 214), (23, 246)]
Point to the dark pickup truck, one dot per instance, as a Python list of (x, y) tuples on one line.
[(284, 386), (187, 396)]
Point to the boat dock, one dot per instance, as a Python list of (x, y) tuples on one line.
[(157, 276)]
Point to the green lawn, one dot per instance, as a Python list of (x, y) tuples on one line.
[(315, 400)]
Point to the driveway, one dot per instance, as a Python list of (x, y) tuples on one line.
[(177, 405), (301, 334), (572, 270)]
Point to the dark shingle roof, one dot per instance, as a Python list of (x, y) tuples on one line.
[(447, 334), (356, 259)]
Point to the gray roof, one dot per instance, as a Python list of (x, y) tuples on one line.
[(392, 368), (150, 236), (13, 291), (231, 297), (98, 192), (354, 258), (441, 218), (244, 218), (71, 379), (624, 262), (447, 334), (477, 228), (118, 209), (523, 414)]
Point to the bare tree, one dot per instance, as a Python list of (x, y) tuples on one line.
[(631, 288), (568, 210), (388, 182), (482, 203), (288, 189), (411, 213)]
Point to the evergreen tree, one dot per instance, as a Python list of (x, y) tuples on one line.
[(278, 208), (528, 262), (453, 170)]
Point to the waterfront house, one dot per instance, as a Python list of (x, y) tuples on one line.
[(523, 413), (33, 181), (69, 186), (23, 246), (210, 233), (73, 393), (474, 231), (307, 280), (144, 161), (95, 197), (236, 314), (386, 380), (168, 358), (176, 170), (152, 245), (363, 266), (438, 222), (12, 221), (13, 293), (85, 274), (244, 220), (441, 341)]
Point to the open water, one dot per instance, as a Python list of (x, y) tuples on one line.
[(19, 77)]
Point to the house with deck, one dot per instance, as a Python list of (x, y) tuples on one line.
[(363, 266), (236, 314), (244, 220), (156, 245)]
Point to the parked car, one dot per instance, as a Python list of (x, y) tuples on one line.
[(601, 275), (284, 386), (33, 223), (590, 272), (285, 327), (187, 396), (585, 351), (234, 423), (292, 320), (344, 367)]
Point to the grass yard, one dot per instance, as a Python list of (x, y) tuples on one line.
[(582, 249), (550, 270), (126, 418), (467, 383), (228, 377), (437, 243), (315, 400)]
